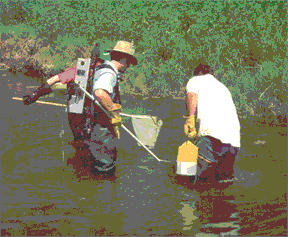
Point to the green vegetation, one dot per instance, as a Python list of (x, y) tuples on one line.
[(244, 41)]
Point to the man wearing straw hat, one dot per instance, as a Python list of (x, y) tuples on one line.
[(104, 86), (218, 133)]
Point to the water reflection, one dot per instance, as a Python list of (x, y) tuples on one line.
[(218, 214), (209, 211), (188, 212)]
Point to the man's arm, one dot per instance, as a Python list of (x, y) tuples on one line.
[(114, 109), (51, 81), (189, 125), (103, 88), (45, 87), (63, 77), (191, 103), (104, 98)]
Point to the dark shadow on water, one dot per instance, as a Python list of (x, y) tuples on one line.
[(82, 163)]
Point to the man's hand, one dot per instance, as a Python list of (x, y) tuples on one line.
[(189, 127), (29, 99), (116, 120), (42, 90)]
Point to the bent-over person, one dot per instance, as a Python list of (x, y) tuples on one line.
[(210, 106)]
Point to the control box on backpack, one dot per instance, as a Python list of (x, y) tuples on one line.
[(76, 102)]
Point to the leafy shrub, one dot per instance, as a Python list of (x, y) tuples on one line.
[(17, 53), (245, 42)]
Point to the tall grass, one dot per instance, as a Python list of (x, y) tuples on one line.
[(244, 41)]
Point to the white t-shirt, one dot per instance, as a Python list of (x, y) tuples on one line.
[(105, 79), (216, 112)]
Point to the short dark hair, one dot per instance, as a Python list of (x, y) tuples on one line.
[(203, 69)]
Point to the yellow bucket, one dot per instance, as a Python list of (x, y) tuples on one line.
[(187, 159)]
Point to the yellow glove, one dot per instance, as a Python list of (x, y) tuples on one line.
[(189, 126), (116, 120)]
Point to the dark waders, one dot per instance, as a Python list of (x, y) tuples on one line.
[(101, 142), (221, 159), (95, 137)]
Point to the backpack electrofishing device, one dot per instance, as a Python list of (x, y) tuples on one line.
[(76, 101)]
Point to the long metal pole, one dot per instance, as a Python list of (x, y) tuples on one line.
[(122, 126)]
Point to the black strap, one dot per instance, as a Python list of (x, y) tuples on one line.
[(117, 98)]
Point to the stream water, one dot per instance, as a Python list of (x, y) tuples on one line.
[(46, 189)]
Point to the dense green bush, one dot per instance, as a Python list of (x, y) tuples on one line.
[(245, 42)]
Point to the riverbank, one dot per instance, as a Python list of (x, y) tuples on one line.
[(271, 115)]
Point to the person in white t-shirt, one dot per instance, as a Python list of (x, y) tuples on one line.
[(218, 129)]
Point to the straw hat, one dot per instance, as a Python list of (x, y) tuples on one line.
[(126, 48)]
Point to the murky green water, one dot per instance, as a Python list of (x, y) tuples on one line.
[(44, 194)]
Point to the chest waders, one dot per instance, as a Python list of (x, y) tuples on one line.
[(90, 126), (100, 136)]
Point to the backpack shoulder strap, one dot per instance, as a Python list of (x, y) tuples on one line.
[(105, 66)]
